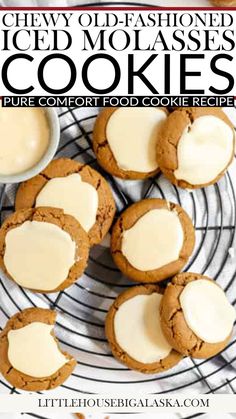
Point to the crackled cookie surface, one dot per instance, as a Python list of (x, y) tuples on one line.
[(43, 249), (77, 189), (134, 332), (152, 240), (195, 146), (224, 3), (125, 139), (196, 317), (30, 355)]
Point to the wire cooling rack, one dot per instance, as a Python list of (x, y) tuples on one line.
[(82, 308)]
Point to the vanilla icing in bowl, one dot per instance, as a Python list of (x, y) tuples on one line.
[(24, 139)]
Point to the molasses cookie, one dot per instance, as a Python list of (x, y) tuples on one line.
[(77, 189), (196, 318), (30, 355), (224, 3), (195, 146), (134, 332), (152, 240), (124, 140), (43, 249)]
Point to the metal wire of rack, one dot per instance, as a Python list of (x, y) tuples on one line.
[(82, 308)]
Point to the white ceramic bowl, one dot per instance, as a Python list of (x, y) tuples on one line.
[(48, 155)]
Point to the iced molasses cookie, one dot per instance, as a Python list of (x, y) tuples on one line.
[(31, 358), (224, 3), (134, 333), (124, 140), (196, 318), (152, 240), (195, 146), (43, 249), (77, 189)]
